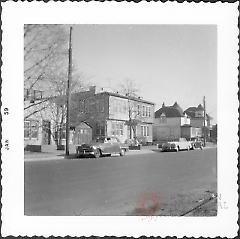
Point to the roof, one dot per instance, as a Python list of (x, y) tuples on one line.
[(191, 111), (88, 94), (126, 97), (170, 111), (200, 107)]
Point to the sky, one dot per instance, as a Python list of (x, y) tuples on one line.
[(168, 63)]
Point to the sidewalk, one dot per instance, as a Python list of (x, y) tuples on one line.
[(42, 156), (59, 154)]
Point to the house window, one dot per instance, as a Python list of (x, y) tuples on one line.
[(144, 130), (121, 128), (31, 129), (92, 106), (100, 128), (138, 110), (37, 94), (86, 106), (149, 112), (117, 128), (27, 129), (163, 119), (26, 94), (101, 105), (34, 129), (147, 128), (143, 111), (81, 106)]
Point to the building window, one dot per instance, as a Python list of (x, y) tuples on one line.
[(147, 127), (149, 111), (117, 128), (144, 130), (30, 94), (86, 106), (92, 106), (38, 94), (81, 106), (27, 129), (143, 111), (163, 119), (101, 105), (138, 110), (100, 128), (31, 129)]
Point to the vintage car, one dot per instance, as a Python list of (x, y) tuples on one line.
[(177, 145), (101, 146), (197, 143)]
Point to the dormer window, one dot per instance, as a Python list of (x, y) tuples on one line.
[(199, 114), (163, 118)]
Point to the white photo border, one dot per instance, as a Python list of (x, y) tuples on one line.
[(16, 14)]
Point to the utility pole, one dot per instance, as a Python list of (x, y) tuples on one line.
[(68, 91), (204, 122)]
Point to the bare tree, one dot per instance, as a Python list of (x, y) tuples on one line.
[(45, 59), (46, 69), (129, 88)]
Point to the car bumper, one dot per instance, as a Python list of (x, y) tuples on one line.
[(84, 153), (168, 149)]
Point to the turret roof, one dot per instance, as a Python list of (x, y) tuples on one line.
[(170, 111)]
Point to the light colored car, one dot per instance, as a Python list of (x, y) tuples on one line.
[(101, 146), (177, 145)]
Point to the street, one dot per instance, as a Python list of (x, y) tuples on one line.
[(156, 183)]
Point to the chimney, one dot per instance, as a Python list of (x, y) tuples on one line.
[(92, 88), (163, 105)]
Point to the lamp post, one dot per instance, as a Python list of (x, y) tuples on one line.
[(68, 91)]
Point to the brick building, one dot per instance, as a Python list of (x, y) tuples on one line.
[(107, 113)]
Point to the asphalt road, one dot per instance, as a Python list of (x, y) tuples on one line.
[(157, 183)]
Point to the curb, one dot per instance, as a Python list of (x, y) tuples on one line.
[(130, 153), (43, 159)]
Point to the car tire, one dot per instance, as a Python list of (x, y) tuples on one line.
[(97, 153), (77, 154), (122, 152)]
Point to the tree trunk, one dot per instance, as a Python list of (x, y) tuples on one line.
[(130, 135)]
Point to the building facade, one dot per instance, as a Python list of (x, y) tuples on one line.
[(108, 114), (171, 122), (196, 115), (168, 122)]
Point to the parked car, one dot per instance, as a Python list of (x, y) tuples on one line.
[(197, 143), (133, 144), (176, 145), (160, 143), (102, 146)]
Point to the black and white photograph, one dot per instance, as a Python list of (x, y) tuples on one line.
[(111, 117), (120, 120)]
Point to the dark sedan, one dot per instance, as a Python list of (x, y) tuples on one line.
[(101, 146)]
